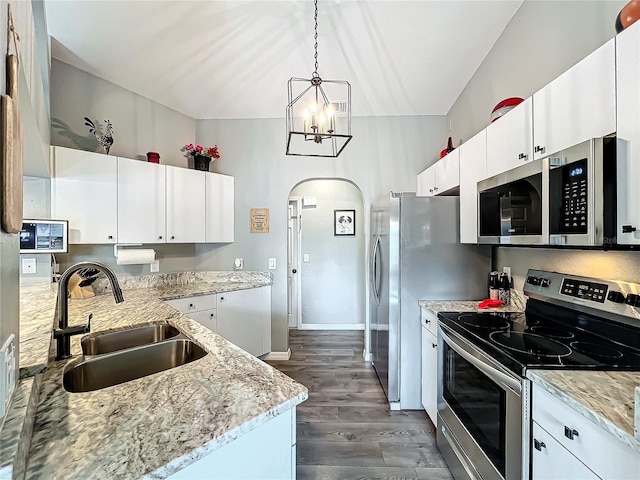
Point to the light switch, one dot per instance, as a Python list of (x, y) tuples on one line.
[(28, 265), (305, 258), (272, 263)]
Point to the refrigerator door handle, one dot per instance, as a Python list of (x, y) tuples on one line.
[(375, 274)]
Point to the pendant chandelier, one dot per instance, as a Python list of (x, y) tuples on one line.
[(318, 112)]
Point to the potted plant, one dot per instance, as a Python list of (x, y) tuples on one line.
[(201, 157)]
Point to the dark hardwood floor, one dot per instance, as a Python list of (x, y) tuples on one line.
[(345, 429)]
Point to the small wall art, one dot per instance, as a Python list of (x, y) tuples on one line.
[(344, 223), (259, 218)]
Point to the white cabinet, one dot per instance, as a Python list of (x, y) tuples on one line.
[(202, 309), (266, 452), (429, 380), (185, 205), (628, 134), (441, 177), (509, 139), (578, 105), (473, 168), (219, 221), (582, 439), (141, 202), (84, 191), (244, 318)]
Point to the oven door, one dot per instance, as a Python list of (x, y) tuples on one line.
[(480, 414)]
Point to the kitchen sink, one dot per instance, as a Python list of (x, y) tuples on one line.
[(126, 365), (129, 338)]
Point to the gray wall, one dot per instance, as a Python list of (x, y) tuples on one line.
[(140, 125), (543, 40), (333, 281), (386, 153)]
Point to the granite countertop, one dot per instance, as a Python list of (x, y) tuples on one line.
[(156, 425), (605, 398), (518, 302)]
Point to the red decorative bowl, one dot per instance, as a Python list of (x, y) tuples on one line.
[(504, 106)]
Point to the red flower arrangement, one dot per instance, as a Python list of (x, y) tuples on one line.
[(194, 150)]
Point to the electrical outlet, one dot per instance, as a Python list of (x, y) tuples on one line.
[(272, 263), (28, 265), (238, 264), (507, 270), (154, 266)]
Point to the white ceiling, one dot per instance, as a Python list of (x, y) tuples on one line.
[(233, 58)]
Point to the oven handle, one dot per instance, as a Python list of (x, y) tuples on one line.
[(489, 371)]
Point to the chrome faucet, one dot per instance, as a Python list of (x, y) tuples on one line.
[(63, 333)]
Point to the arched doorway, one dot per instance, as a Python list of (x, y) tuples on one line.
[(327, 251)]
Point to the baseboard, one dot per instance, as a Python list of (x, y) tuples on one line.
[(278, 355), (367, 356), (331, 326)]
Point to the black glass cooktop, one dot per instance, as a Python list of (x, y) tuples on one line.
[(549, 336)]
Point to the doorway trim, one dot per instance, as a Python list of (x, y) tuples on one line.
[(294, 247)]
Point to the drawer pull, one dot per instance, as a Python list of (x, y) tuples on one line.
[(434, 345), (191, 305), (427, 322), (538, 445), (570, 433)]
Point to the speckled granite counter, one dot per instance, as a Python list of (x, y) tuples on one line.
[(605, 398), (37, 310), (518, 302), (156, 425)]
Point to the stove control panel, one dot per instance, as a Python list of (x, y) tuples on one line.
[(611, 296)]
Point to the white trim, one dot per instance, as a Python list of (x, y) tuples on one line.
[(367, 356), (331, 326), (278, 355)]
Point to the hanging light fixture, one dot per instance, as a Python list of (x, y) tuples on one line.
[(317, 126)]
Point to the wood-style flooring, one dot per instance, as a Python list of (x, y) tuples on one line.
[(345, 429)]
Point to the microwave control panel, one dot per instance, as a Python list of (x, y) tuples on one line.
[(573, 213)]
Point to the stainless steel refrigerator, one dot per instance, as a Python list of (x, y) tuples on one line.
[(415, 255)]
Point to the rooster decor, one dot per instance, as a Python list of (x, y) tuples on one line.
[(105, 140)]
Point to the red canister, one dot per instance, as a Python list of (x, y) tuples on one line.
[(153, 157)]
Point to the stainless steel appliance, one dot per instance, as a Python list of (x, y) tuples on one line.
[(484, 409), (568, 198), (415, 255)]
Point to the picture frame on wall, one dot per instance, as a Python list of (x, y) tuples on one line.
[(344, 223)]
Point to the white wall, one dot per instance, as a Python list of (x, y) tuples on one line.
[(386, 153), (333, 281)]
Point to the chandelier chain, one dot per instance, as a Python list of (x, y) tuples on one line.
[(315, 47)]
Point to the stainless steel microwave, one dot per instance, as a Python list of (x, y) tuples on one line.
[(567, 198)]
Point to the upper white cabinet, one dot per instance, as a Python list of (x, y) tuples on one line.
[(219, 223), (141, 202), (473, 168), (84, 191), (440, 177), (509, 139), (185, 205), (578, 105), (628, 134)]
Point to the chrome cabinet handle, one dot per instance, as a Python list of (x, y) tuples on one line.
[(570, 433), (539, 148), (538, 445), (434, 345)]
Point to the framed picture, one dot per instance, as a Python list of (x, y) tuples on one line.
[(344, 223)]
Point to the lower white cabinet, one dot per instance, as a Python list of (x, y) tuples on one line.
[(429, 380), (241, 316), (575, 447), (267, 452)]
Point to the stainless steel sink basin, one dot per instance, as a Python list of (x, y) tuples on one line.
[(126, 365), (132, 337)]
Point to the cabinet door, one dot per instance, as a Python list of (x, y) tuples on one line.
[(473, 168), (578, 105), (509, 140), (84, 191), (219, 208), (206, 318), (185, 205), (628, 147), (244, 318), (448, 172), (429, 381), (551, 461), (141, 202), (426, 182)]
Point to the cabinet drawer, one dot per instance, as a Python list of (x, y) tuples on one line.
[(194, 304), (206, 318), (591, 444), (429, 319)]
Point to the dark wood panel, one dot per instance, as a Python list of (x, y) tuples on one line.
[(360, 454), (365, 432), (321, 472), (412, 455)]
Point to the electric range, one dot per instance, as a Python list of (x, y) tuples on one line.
[(570, 322)]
